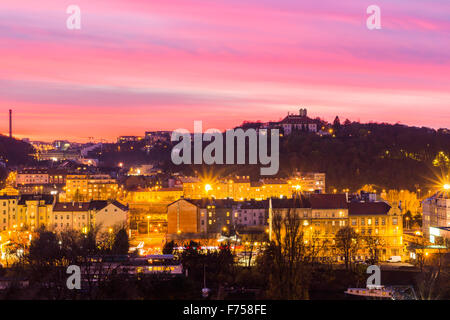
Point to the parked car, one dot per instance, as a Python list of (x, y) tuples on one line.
[(395, 259)]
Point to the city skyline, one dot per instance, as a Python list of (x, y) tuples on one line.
[(136, 67)]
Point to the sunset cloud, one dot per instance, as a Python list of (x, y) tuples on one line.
[(151, 65)]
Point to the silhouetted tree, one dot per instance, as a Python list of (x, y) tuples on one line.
[(347, 243), (168, 247), (121, 243)]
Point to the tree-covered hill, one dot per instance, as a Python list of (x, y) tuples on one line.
[(355, 154), (15, 152), (388, 156)]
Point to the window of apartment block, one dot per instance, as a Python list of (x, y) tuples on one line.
[(383, 222), (394, 221), (376, 221), (353, 222), (369, 222), (362, 221)]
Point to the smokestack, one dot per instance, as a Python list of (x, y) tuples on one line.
[(10, 123)]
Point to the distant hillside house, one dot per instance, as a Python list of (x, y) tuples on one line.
[(299, 122), (295, 122)]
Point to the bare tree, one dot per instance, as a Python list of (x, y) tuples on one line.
[(373, 244), (289, 260), (347, 243)]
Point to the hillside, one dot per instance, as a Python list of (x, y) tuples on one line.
[(14, 152), (387, 156)]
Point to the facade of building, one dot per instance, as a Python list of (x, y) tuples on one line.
[(109, 214), (34, 211), (377, 221), (295, 123), (436, 212), (124, 139), (251, 215), (183, 216), (153, 137), (58, 155), (158, 195), (71, 216), (241, 188), (320, 216), (82, 216), (90, 187), (8, 212), (31, 177)]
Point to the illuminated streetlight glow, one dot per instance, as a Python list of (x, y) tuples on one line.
[(447, 186)]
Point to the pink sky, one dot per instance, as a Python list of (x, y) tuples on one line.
[(160, 65)]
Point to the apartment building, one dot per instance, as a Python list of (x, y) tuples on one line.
[(34, 211), (379, 221), (90, 187), (8, 212), (82, 216), (436, 212)]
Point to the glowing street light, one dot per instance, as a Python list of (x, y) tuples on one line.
[(208, 187), (446, 186)]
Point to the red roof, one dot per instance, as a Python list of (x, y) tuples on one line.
[(368, 208), (71, 206), (294, 119), (328, 201)]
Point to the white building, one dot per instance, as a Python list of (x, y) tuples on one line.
[(110, 215), (300, 122), (251, 214), (436, 212), (32, 176), (81, 216)]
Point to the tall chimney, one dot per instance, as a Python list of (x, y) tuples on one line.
[(10, 123)]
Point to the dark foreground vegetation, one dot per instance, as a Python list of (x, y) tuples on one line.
[(288, 268)]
